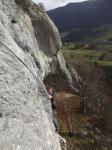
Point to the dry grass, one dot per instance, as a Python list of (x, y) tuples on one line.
[(78, 122)]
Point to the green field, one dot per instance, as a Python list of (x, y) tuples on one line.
[(74, 53)]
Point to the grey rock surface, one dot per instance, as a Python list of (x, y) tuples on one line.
[(29, 51), (63, 143)]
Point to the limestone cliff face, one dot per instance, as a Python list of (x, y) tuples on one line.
[(29, 51)]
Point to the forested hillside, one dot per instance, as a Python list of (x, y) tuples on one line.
[(84, 21)]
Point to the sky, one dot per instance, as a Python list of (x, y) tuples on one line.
[(50, 4)]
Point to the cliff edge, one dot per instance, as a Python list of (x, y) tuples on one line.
[(29, 51)]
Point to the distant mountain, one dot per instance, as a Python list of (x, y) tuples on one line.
[(77, 21)]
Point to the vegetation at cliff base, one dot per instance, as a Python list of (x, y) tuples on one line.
[(93, 63)]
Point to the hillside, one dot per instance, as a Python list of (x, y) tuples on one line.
[(77, 21)]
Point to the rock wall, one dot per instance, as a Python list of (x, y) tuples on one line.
[(29, 50)]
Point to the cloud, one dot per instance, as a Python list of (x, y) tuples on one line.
[(50, 4)]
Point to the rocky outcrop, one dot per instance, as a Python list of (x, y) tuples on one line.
[(29, 50)]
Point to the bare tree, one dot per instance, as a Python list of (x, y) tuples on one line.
[(91, 87)]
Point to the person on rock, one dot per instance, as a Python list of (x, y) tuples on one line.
[(53, 106)]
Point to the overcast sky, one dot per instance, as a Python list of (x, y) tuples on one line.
[(50, 4)]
